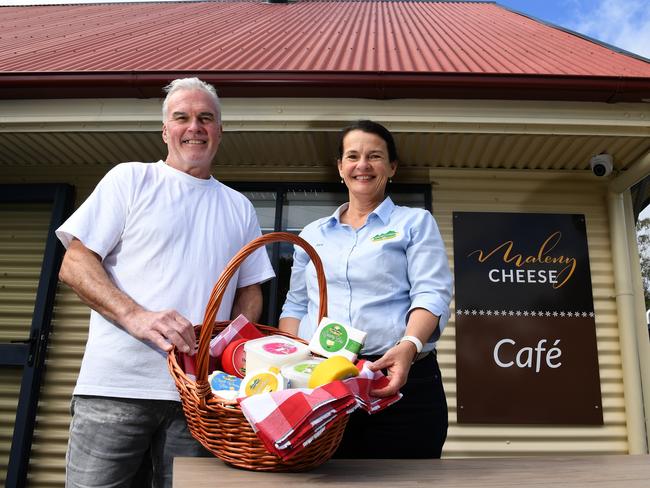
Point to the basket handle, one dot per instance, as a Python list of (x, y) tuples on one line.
[(220, 288)]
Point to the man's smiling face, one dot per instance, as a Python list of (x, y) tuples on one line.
[(192, 132)]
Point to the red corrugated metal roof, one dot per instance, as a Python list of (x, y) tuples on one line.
[(305, 37)]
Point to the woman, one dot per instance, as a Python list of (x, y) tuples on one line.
[(388, 275)]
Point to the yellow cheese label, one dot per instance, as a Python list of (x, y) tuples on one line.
[(261, 383)]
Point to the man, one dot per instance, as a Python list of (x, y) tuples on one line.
[(144, 252)]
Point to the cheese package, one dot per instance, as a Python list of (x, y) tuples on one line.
[(273, 350), (224, 385), (332, 369), (233, 358), (265, 381), (227, 394), (333, 338), (298, 374)]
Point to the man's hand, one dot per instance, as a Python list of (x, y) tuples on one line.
[(397, 361), (162, 329), (82, 270)]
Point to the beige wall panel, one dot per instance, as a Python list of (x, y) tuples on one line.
[(552, 193), (9, 390), (23, 230)]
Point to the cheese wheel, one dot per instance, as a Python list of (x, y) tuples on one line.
[(332, 369), (233, 358), (220, 381), (226, 394), (262, 382), (299, 373)]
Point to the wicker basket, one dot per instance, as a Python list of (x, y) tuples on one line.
[(218, 423)]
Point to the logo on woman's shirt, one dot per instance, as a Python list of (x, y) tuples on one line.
[(391, 234)]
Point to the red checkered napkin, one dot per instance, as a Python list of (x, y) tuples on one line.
[(240, 328), (368, 381), (189, 364), (288, 421)]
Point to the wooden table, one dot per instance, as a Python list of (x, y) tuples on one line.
[(611, 471)]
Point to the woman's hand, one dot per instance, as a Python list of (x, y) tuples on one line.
[(397, 361)]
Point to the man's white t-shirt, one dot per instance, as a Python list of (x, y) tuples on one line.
[(164, 237)]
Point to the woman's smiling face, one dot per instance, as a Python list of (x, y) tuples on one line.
[(365, 165)]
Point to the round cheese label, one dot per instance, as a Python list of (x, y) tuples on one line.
[(305, 368), (223, 381), (333, 337), (239, 359), (279, 348), (261, 383)]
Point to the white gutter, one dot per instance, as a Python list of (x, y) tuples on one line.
[(632, 326)]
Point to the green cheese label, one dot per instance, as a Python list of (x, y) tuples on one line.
[(353, 346), (306, 368), (333, 337)]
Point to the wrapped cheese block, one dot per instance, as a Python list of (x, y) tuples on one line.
[(262, 381), (298, 374), (273, 350), (337, 339)]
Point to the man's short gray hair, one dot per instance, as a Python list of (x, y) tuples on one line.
[(190, 84)]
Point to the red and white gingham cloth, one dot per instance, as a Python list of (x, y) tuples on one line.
[(238, 328), (367, 381), (288, 421)]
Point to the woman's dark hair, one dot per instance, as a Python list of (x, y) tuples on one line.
[(371, 128)]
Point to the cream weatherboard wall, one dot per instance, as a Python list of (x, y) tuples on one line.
[(547, 192), (453, 190)]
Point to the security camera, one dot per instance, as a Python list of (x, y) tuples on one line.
[(601, 165)]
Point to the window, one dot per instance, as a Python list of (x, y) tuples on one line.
[(290, 207)]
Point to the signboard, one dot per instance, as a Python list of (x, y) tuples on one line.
[(525, 332)]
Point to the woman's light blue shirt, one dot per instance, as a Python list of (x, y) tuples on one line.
[(376, 274)]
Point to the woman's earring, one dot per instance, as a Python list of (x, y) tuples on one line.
[(390, 180), (342, 180)]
